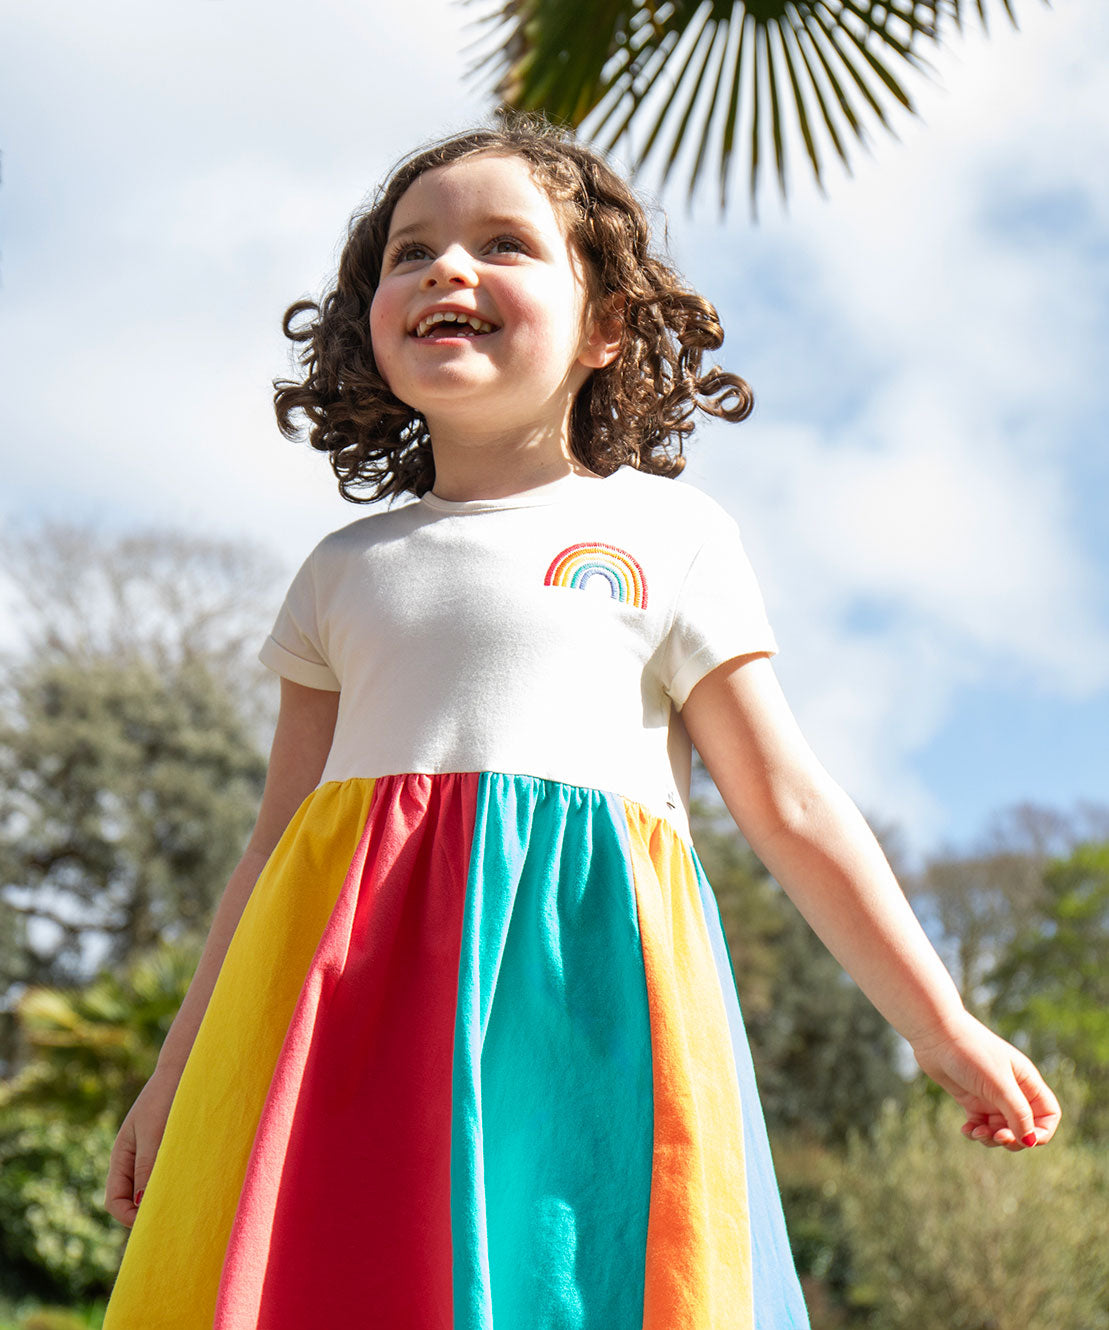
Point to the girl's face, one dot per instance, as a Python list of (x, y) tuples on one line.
[(481, 316)]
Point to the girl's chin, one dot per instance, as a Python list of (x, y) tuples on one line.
[(451, 380)]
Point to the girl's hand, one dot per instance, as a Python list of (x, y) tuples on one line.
[(135, 1147), (1006, 1100)]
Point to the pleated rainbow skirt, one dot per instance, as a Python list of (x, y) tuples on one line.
[(474, 1060)]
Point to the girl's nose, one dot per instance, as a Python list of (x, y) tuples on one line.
[(453, 267)]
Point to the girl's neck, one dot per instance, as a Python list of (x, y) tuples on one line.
[(494, 466)]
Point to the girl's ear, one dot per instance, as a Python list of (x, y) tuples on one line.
[(606, 334)]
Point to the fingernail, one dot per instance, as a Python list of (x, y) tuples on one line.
[(1030, 1139), (139, 1196)]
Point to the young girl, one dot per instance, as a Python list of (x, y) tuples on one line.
[(463, 1048)]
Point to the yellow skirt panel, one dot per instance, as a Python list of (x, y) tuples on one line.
[(177, 1252)]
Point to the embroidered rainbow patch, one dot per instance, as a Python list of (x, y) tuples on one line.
[(577, 564)]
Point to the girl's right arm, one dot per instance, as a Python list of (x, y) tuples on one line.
[(301, 742), (816, 843)]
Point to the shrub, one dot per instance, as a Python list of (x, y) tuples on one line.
[(52, 1221), (53, 1318), (944, 1232)]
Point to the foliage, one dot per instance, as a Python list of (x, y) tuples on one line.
[(93, 1049), (975, 902), (825, 1058), (35, 1316), (126, 794), (64, 1318), (808, 1176), (1052, 984), (722, 79), (946, 1233), (53, 1226), (1023, 921), (130, 736)]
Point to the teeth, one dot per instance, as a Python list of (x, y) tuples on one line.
[(450, 316)]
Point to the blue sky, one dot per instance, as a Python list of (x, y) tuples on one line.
[(922, 486)]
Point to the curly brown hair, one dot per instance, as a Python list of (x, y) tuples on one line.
[(636, 411)]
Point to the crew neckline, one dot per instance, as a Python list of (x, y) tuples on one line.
[(552, 492)]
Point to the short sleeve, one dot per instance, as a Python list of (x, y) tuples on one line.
[(295, 647), (718, 614)]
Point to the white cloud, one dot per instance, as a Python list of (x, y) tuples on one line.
[(177, 177)]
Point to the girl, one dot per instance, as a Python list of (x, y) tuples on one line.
[(463, 1048)]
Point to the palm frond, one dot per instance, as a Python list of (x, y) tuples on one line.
[(803, 52), (721, 43), (683, 78), (639, 73)]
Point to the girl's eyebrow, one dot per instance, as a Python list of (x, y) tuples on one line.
[(493, 220)]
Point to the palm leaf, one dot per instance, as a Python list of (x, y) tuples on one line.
[(781, 72), (722, 32), (682, 79), (785, 33)]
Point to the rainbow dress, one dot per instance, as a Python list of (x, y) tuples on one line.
[(475, 1059)]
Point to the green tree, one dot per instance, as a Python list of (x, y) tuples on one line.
[(727, 79), (975, 902), (131, 737), (126, 794), (1051, 989)]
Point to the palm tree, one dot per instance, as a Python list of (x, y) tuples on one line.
[(715, 78)]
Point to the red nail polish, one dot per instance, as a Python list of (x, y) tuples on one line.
[(1030, 1139), (139, 1196)]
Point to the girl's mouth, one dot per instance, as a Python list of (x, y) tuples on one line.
[(450, 323)]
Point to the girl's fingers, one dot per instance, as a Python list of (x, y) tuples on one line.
[(992, 1137), (143, 1167), (1005, 1138), (1030, 1109), (119, 1186), (1018, 1103), (1045, 1107), (1006, 1100), (1012, 1102)]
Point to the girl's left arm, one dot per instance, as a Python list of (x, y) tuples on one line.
[(816, 843)]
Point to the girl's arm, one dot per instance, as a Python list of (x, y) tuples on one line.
[(301, 742), (817, 845)]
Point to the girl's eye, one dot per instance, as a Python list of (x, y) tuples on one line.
[(406, 252)]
